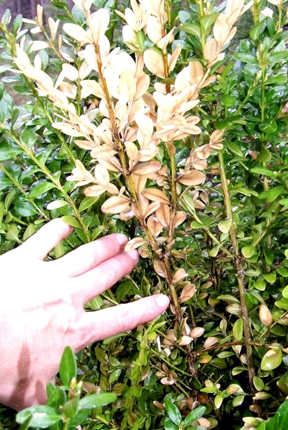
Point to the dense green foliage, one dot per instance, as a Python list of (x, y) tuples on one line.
[(233, 244)]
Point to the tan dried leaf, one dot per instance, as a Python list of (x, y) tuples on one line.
[(179, 275), (203, 422), (265, 316), (191, 178), (151, 208), (100, 22), (132, 150), (85, 144), (154, 226), (210, 341), (179, 218), (78, 33), (89, 87), (158, 405), (187, 293), (170, 338), (95, 190), (159, 268), (146, 168), (211, 50), (156, 195), (113, 164), (115, 205), (196, 72), (139, 183), (154, 63), (101, 175), (185, 340), (135, 243), (168, 380), (163, 215), (197, 332)]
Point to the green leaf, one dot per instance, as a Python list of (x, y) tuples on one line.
[(224, 226), (207, 21), (258, 383), (28, 138), (8, 152), (40, 189), (13, 233), (272, 359), (194, 415), (277, 57), (263, 171), (70, 408), (68, 367), (233, 147), (283, 272), (173, 412), (282, 304), (73, 222), (97, 400), (9, 199), (248, 251), (270, 277), (87, 202), (169, 425), (238, 329), (3, 110), (285, 292), (24, 209), (283, 384), (255, 31), (218, 400), (17, 24), (190, 29), (41, 416), (246, 58), (272, 194)]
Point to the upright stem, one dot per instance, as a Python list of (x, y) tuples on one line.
[(240, 273)]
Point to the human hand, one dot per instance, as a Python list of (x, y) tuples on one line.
[(41, 307)]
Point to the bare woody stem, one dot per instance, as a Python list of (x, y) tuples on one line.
[(240, 273)]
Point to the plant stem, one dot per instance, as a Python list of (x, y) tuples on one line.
[(240, 273)]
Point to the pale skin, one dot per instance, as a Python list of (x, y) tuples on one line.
[(41, 308)]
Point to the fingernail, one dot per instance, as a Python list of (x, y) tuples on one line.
[(162, 301), (133, 254), (121, 239)]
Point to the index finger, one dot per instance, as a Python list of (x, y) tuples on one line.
[(44, 240)]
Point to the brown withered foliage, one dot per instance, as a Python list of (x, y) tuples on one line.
[(132, 110)]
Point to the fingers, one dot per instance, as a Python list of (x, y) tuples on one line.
[(106, 274), (42, 242), (86, 257), (118, 319)]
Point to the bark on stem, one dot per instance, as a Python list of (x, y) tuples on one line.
[(240, 273)]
